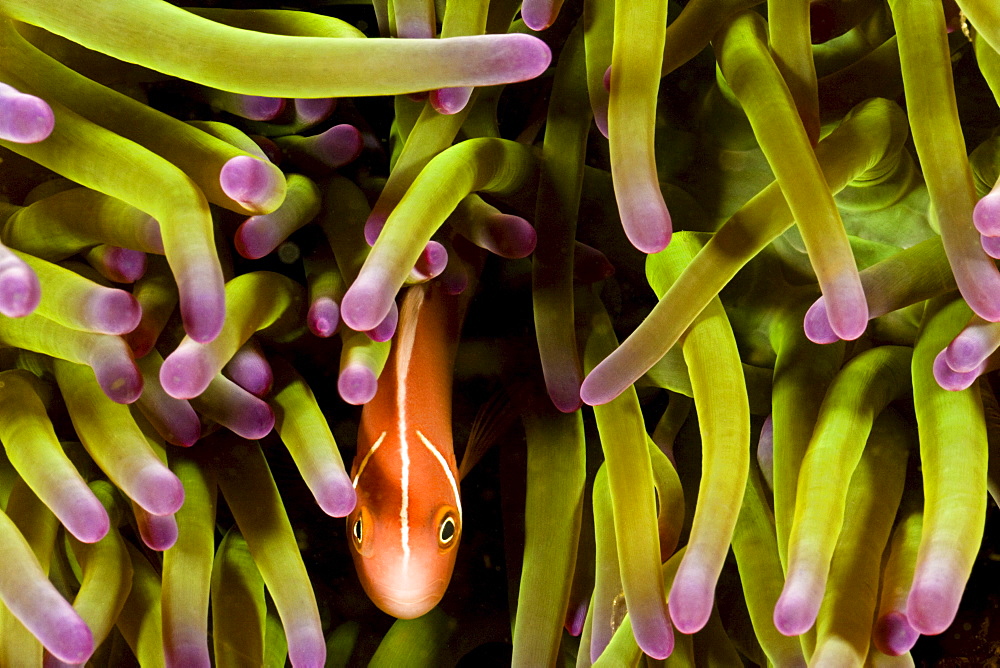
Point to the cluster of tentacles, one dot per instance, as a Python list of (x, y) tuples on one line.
[(207, 215)]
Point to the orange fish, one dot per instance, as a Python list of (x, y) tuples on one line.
[(407, 524)]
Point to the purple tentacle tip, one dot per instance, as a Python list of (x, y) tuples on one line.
[(797, 607), (968, 350), (160, 492), (374, 225), (116, 311), (185, 374), (336, 496), (188, 654), (850, 326), (817, 325), (314, 110), (952, 380), (596, 390), (256, 419), (260, 108), (68, 638), (87, 520), (19, 288), (765, 451), (24, 119), (992, 246), (893, 635), (933, 601), (980, 285), (203, 312), (365, 304), (450, 101), (562, 382), (538, 14), (184, 433), (431, 263), (324, 317), (306, 647), (575, 618), (339, 145), (158, 532), (250, 181), (526, 55), (846, 307), (175, 420), (691, 598), (565, 395), (385, 329), (986, 214), (124, 265), (510, 236), (648, 227), (654, 636), (257, 237), (357, 384), (601, 120), (119, 378), (250, 370)]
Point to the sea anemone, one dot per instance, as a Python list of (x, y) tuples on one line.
[(207, 216)]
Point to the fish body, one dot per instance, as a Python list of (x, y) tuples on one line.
[(407, 524)]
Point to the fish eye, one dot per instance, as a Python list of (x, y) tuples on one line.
[(362, 532), (447, 531), (358, 530)]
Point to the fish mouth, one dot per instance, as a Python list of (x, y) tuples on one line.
[(410, 603)]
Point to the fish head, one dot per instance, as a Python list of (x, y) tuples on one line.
[(406, 527)]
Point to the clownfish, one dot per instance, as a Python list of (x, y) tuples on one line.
[(406, 526)]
